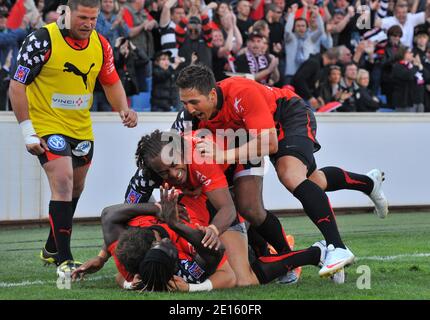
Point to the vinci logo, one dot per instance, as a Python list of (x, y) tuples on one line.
[(71, 101)]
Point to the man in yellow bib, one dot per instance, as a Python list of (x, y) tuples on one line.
[(51, 93)]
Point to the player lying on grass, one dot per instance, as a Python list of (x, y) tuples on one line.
[(159, 256)]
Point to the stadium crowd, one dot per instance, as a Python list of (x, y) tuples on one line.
[(351, 56)]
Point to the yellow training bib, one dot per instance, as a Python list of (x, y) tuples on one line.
[(61, 95)]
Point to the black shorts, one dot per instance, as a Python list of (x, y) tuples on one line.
[(296, 128), (60, 145)]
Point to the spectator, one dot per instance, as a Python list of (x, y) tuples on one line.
[(421, 41), (10, 39), (388, 58), (244, 22), (127, 56), (366, 101), (329, 89), (4, 81), (261, 27), (426, 65), (254, 61), (223, 51), (345, 55), (195, 36), (110, 24), (309, 75), (408, 82), (299, 42), (141, 23), (171, 15), (406, 21), (276, 34), (325, 40), (164, 95), (305, 11), (348, 84)]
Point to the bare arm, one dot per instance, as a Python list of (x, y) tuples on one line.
[(117, 98), (257, 143), (18, 98), (226, 211), (115, 218)]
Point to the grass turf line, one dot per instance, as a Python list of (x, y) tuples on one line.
[(403, 277)]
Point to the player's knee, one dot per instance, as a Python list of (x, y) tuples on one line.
[(290, 180), (255, 214), (77, 189), (63, 185)]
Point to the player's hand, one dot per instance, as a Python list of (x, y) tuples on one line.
[(193, 193), (168, 202), (209, 149), (210, 240), (129, 118), (183, 213), (178, 284), (37, 148), (91, 266)]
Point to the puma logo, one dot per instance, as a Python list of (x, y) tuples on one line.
[(326, 219), (69, 67), (67, 231)]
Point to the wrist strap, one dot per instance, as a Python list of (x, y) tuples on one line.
[(127, 285), (28, 132), (204, 286)]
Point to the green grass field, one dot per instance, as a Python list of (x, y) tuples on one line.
[(397, 251)]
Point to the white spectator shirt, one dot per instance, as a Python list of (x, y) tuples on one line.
[(412, 20)]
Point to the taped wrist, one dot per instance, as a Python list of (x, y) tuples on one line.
[(28, 132)]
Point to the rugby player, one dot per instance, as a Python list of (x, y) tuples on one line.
[(289, 125), (51, 93)]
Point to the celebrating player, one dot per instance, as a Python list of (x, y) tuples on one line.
[(51, 94), (281, 117)]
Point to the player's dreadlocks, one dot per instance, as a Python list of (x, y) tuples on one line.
[(156, 270), (151, 145)]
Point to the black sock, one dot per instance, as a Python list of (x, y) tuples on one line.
[(271, 230), (338, 179), (317, 206), (257, 243), (61, 218), (269, 268), (50, 245)]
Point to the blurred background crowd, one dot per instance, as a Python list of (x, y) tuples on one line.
[(338, 55)]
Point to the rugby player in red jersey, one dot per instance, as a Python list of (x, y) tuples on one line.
[(288, 124), (158, 256)]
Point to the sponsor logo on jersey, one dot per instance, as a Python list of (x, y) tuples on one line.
[(133, 197), (237, 107), (21, 74), (195, 270), (82, 149), (56, 143), (70, 101)]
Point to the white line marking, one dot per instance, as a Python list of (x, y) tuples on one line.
[(400, 256), (41, 282)]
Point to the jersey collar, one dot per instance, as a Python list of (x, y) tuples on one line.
[(220, 98)]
